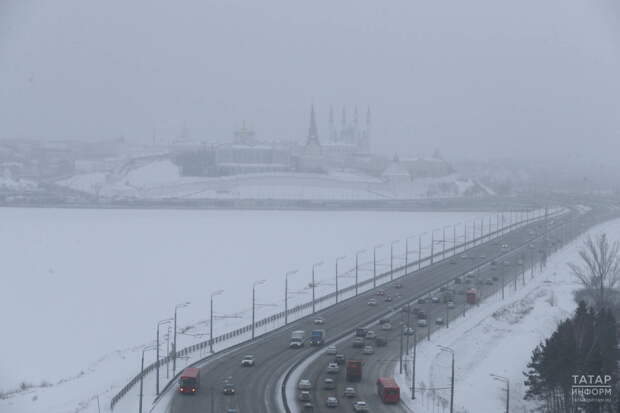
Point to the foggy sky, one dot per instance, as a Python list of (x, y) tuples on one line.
[(525, 78)]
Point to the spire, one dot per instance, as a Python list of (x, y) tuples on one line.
[(313, 135)]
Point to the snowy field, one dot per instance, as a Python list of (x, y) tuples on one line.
[(84, 289), (497, 337)]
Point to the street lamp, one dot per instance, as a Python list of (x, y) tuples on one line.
[(146, 348), (338, 259), (451, 351), (318, 264), (433, 243), (286, 294), (374, 264), (256, 283), (218, 292), (356, 266), (443, 241), (174, 342), (392, 258), (159, 323), (420, 250), (507, 381)]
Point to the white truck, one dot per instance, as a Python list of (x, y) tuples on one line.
[(297, 339)]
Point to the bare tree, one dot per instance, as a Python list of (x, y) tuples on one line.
[(600, 266)]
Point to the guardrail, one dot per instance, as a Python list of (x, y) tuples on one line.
[(301, 307)]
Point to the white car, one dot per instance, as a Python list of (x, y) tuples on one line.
[(350, 392), (319, 320), (331, 402), (371, 335), (360, 406), (386, 326), (331, 350), (372, 302), (408, 331), (248, 361), (422, 322), (439, 321), (333, 368), (368, 350), (450, 304), (304, 384)]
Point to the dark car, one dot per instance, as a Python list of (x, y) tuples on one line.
[(388, 298), (421, 300), (457, 280), (339, 358), (381, 341), (229, 389)]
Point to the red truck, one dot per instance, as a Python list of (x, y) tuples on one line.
[(354, 370)]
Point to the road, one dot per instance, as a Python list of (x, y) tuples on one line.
[(259, 387)]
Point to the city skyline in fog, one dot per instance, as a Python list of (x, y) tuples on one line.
[(476, 80)]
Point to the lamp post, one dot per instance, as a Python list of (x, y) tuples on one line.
[(415, 344), (451, 351), (338, 259), (218, 292), (286, 295), (147, 348), (357, 254), (433, 244), (507, 381), (420, 250), (392, 258), (159, 323), (256, 283), (314, 284), (374, 264), (174, 342)]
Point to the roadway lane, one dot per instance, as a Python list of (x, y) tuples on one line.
[(257, 387)]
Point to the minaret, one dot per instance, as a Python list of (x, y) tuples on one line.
[(313, 135), (343, 125), (333, 136), (356, 130)]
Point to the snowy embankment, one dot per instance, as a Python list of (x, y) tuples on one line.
[(84, 289), (497, 337), (161, 179)]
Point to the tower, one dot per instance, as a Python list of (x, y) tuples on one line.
[(333, 135), (343, 125), (313, 134)]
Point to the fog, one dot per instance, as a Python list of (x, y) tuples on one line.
[(480, 78)]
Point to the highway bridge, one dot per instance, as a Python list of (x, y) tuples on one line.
[(270, 386)]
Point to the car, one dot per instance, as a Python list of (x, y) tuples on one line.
[(451, 304), (371, 335), (372, 302), (358, 342), (443, 288), (406, 308), (360, 406), (505, 246), (304, 395), (331, 350), (368, 350), (304, 384), (388, 298), (308, 406), (381, 292), (488, 281), (329, 384), (435, 300), (229, 388), (439, 321), (331, 402), (386, 326), (398, 285), (493, 262), (319, 320), (381, 341), (408, 331), (350, 392), (421, 314), (248, 361), (339, 359), (422, 322), (421, 300), (384, 320), (333, 368), (495, 278)]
